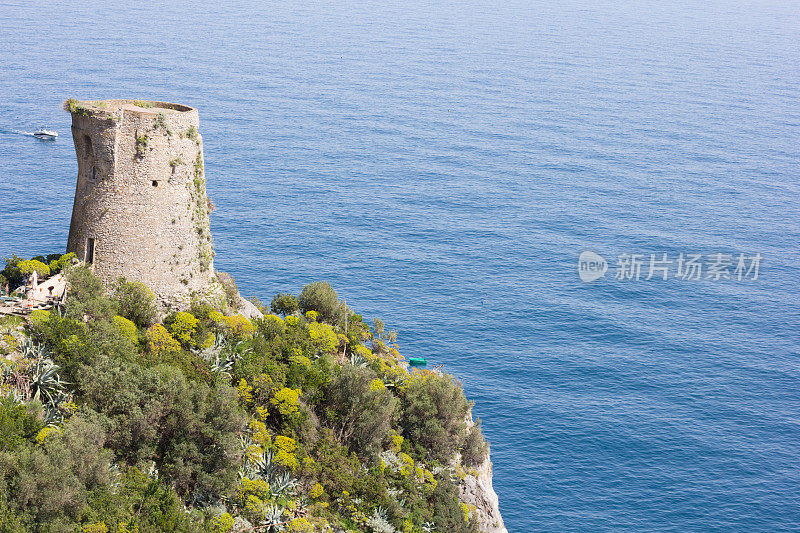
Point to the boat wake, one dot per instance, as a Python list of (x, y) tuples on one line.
[(16, 132), (41, 134)]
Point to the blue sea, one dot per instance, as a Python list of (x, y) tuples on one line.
[(444, 165)]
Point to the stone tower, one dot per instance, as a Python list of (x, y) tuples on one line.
[(141, 210)]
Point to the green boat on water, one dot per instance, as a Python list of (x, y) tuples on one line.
[(417, 361)]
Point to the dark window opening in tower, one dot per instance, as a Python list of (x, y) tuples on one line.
[(155, 183), (89, 255), (87, 144)]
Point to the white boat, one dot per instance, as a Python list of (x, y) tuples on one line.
[(47, 135)]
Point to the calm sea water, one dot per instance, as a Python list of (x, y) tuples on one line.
[(444, 166)]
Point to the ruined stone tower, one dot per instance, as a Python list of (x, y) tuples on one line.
[(140, 208)]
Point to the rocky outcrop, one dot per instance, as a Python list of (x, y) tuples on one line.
[(477, 491), (248, 309)]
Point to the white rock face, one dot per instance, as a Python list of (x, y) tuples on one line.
[(248, 309), (477, 490)]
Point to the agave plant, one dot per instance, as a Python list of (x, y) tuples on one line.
[(222, 366), (46, 385), (214, 351), (428, 527), (273, 518), (282, 484), (32, 350), (222, 354), (379, 522), (358, 360), (53, 415), (261, 468)]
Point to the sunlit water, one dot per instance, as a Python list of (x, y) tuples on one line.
[(444, 167)]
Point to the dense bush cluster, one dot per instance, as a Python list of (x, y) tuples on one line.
[(111, 421), (17, 269)]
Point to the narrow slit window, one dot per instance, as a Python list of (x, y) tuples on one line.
[(89, 154), (155, 183), (89, 257)]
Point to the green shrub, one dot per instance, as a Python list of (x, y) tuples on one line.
[(51, 483), (231, 292), (320, 297), (18, 423), (435, 409), (447, 512), (359, 413), (126, 328), (284, 304), (12, 273), (136, 302), (475, 447), (154, 414), (57, 262), (87, 297)]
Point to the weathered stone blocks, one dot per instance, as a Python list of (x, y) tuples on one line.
[(141, 209)]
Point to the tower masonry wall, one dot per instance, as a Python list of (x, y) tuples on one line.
[(141, 210)]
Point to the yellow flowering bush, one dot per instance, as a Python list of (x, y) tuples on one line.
[(407, 466), (467, 509), (312, 316), (126, 328), (46, 433), (322, 337), (291, 321), (160, 342), (182, 327), (245, 392), (376, 385), (99, 527), (26, 268), (68, 407), (254, 453), (222, 523), (260, 433), (254, 505), (397, 443), (284, 452), (275, 319), (252, 487), (316, 491), (300, 525), (271, 326), (8, 343), (236, 326), (287, 401), (39, 317), (300, 361), (364, 352)]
